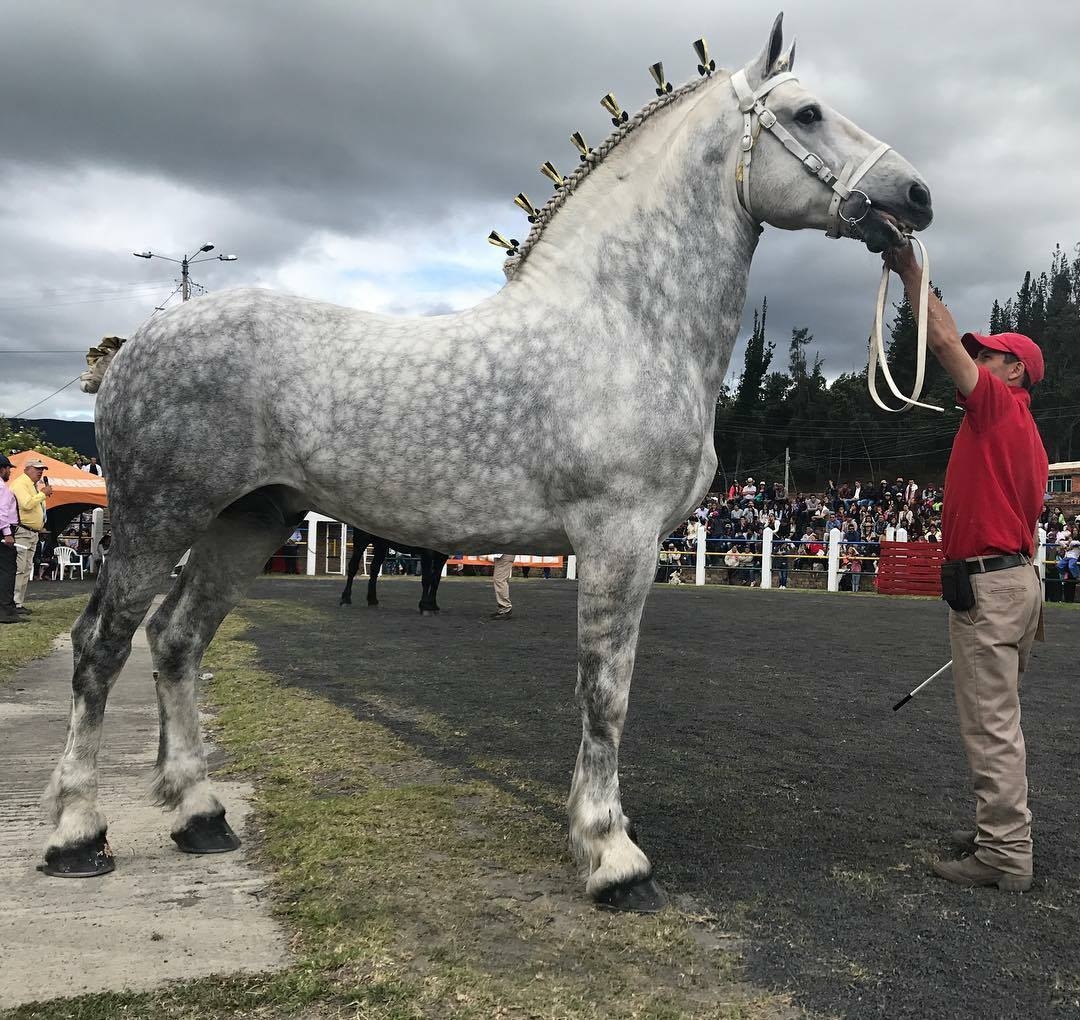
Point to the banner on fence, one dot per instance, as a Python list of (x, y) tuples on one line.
[(519, 561)]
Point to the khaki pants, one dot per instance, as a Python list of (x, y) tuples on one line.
[(990, 644), (27, 540), (504, 567)]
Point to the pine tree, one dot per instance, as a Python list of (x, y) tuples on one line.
[(756, 363), (1023, 306), (997, 319)]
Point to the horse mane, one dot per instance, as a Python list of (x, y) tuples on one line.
[(547, 212)]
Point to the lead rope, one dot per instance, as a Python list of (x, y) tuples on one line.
[(876, 355)]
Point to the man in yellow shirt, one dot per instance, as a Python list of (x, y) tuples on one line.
[(31, 523)]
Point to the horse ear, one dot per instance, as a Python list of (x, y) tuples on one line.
[(787, 61), (765, 65)]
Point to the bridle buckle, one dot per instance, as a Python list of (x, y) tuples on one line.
[(813, 163)]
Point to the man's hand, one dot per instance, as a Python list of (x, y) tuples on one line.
[(902, 261), (9, 540), (47, 489)]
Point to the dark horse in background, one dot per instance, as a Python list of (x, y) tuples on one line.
[(431, 566)]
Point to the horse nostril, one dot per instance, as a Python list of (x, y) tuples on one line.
[(919, 196)]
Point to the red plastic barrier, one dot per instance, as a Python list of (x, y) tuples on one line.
[(910, 568)]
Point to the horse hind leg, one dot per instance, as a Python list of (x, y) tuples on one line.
[(360, 543), (616, 575), (101, 643), (378, 558), (222, 564)]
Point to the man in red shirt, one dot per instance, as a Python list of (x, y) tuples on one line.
[(994, 488)]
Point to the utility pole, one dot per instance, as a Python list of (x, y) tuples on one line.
[(185, 263), (787, 470)]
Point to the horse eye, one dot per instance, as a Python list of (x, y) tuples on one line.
[(808, 115)]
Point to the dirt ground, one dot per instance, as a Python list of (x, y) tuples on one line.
[(770, 782)]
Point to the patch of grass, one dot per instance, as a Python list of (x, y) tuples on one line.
[(410, 891), (22, 642)]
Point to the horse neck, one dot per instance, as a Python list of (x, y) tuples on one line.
[(653, 245)]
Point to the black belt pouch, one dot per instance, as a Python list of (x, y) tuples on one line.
[(956, 585)]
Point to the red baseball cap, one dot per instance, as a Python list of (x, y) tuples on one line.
[(1014, 343)]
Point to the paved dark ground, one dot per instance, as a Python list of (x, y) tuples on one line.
[(768, 777), (44, 590)]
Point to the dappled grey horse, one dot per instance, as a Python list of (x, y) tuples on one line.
[(583, 420)]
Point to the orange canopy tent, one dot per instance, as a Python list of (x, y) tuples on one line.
[(70, 485)]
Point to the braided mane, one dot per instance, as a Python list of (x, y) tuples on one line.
[(546, 213)]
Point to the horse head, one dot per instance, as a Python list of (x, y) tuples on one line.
[(801, 164)]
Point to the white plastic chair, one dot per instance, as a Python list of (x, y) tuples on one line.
[(69, 560)]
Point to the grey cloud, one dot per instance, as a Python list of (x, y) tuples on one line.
[(377, 118)]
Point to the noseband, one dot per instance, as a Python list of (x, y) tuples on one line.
[(756, 115)]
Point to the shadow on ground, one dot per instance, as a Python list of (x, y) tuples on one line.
[(768, 777)]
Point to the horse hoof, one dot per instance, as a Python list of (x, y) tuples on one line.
[(207, 834), (373, 605), (84, 860), (345, 602), (424, 611), (639, 896)]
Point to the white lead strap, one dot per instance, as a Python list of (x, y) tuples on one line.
[(877, 343)]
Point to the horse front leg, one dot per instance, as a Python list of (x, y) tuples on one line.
[(614, 581), (431, 564)]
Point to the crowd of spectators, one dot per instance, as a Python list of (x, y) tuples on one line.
[(801, 522), (735, 520)]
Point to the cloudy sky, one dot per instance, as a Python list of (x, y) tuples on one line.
[(360, 152)]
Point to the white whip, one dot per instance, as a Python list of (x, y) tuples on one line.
[(877, 343), (911, 694)]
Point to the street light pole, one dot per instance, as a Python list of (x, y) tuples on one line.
[(185, 263)]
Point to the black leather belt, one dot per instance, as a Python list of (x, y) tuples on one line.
[(985, 564)]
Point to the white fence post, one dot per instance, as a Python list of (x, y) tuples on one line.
[(766, 558), (699, 563), (834, 560), (1040, 558), (97, 532), (312, 532), (571, 568)]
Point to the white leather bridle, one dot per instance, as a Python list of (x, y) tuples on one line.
[(756, 115)]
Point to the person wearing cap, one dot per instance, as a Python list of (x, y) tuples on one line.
[(31, 522), (9, 521), (994, 487)]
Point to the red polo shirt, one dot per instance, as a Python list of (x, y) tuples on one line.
[(996, 478)]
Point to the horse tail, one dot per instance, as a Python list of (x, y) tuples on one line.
[(98, 360)]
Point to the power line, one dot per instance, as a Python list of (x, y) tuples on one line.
[(43, 399), (132, 293)]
